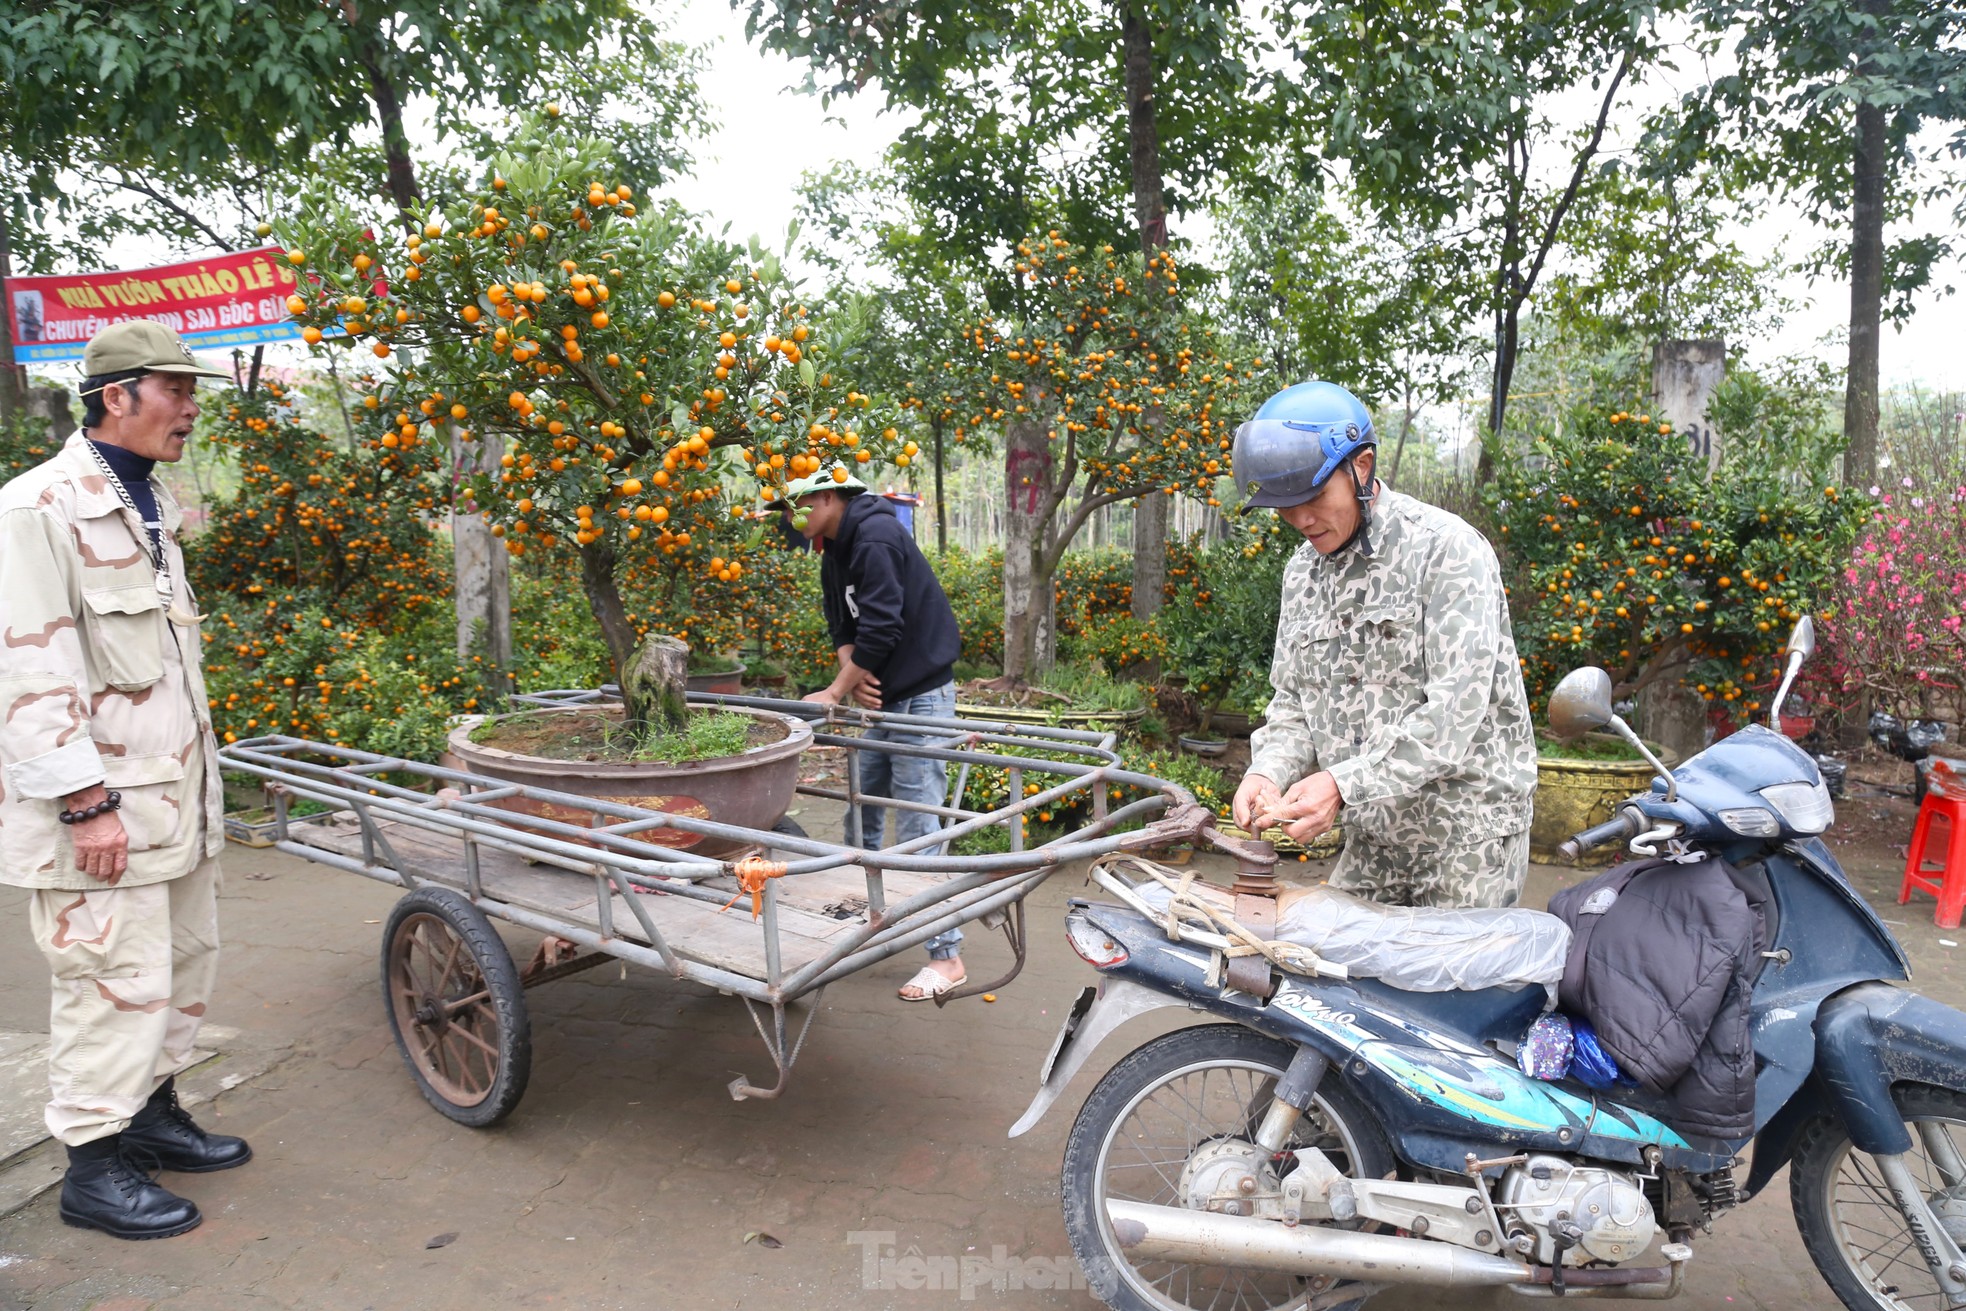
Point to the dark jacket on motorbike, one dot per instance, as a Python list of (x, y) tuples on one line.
[(1662, 963)]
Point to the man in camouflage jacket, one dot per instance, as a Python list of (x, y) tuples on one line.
[(110, 797), (1398, 694)]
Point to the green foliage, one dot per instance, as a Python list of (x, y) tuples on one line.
[(989, 788), (705, 737), (1008, 94), (1648, 258), (1090, 688), (1782, 115), (555, 641), (327, 591), (201, 109), (311, 515), (1221, 626), (1325, 296), (974, 585), (287, 665), (1439, 110), (24, 443), (1591, 746), (1623, 554)]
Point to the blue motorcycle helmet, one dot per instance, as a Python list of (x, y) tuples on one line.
[(1291, 447)]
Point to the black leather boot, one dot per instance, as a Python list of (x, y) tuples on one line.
[(164, 1132), (103, 1191)]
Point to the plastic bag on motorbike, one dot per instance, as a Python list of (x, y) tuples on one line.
[(1422, 949)]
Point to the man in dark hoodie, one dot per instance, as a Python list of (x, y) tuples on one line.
[(897, 642)]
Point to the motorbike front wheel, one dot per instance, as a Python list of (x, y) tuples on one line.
[(1849, 1221), (1144, 1121)]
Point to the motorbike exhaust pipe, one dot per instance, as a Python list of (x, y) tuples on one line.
[(1172, 1233)]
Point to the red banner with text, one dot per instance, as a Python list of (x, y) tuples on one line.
[(214, 304)]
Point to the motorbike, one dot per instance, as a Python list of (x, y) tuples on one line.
[(1327, 1138)]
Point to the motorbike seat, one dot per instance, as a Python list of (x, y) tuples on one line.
[(1478, 1016)]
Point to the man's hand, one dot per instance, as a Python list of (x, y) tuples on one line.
[(825, 696), (102, 846), (1308, 809), (1258, 795), (868, 692)]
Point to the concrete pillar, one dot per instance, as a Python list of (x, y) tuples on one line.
[(1684, 374), (51, 405), (483, 571)]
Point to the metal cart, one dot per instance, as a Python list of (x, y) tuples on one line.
[(773, 920)]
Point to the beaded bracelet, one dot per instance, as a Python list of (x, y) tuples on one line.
[(114, 801)]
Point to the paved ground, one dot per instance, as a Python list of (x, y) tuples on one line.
[(628, 1178)]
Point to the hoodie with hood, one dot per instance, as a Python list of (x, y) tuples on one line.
[(883, 599)]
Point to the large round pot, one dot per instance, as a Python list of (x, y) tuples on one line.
[(1236, 723), (718, 682), (751, 790), (1573, 795)]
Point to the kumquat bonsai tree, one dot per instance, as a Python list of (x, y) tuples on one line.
[(647, 387), (1625, 553), (1105, 386)]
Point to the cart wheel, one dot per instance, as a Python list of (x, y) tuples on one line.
[(456, 1006)]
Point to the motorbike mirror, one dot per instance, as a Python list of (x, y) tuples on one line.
[(1802, 645), (1581, 703)]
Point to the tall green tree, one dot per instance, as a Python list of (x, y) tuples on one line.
[(184, 116), (1827, 102), (1324, 296), (176, 101), (1443, 115), (1097, 119)]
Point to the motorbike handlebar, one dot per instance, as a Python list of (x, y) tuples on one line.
[(1622, 827)]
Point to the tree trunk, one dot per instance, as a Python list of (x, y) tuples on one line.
[(1149, 553), (482, 571), (654, 684), (1866, 296), (13, 379), (941, 512), (1143, 132), (1407, 411), (1029, 627), (597, 565), (369, 47), (1150, 212)]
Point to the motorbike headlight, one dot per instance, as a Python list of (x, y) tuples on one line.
[(1806, 806), (1751, 821)]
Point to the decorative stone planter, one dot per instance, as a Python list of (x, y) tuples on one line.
[(752, 789), (251, 828), (1573, 795)]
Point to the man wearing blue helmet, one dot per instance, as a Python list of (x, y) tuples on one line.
[(1398, 694)]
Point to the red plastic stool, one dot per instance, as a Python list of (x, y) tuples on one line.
[(1946, 851)]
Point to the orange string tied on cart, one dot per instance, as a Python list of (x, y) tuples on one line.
[(752, 872)]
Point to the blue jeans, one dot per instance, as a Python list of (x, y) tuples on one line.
[(909, 778)]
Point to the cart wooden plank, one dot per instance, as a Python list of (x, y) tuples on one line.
[(695, 930)]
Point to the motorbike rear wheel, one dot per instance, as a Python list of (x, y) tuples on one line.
[(1850, 1224), (1145, 1119)]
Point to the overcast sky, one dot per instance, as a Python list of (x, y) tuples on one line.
[(762, 134)]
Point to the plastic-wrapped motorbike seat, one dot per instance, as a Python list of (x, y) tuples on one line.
[(1423, 949), (1410, 948)]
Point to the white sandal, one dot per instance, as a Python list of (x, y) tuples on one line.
[(931, 983)]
